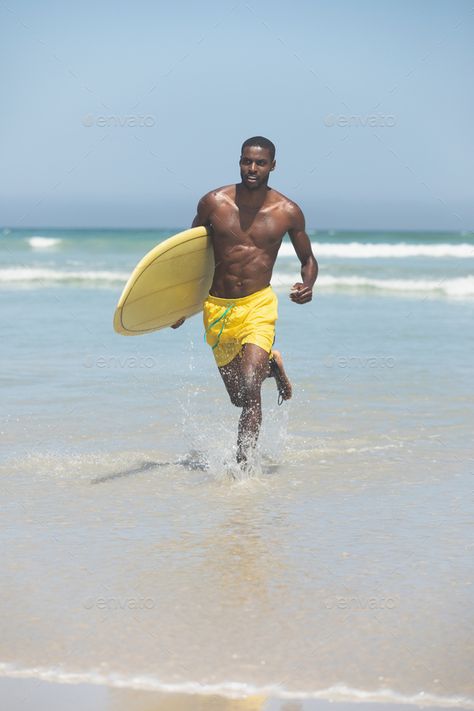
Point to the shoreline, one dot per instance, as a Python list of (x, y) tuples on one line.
[(20, 692)]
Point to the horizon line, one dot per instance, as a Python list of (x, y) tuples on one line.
[(178, 229)]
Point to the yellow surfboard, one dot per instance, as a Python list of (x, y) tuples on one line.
[(171, 281)]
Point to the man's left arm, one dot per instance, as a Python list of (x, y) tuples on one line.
[(302, 292)]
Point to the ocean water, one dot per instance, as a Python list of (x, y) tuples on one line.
[(137, 555)]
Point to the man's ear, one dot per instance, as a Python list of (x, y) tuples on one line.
[(273, 165)]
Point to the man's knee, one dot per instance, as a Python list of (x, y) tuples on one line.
[(236, 399), (250, 387)]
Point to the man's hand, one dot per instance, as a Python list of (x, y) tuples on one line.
[(179, 323), (300, 293)]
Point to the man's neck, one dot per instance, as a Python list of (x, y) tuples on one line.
[(250, 198)]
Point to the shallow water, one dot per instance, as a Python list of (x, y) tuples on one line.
[(137, 553)]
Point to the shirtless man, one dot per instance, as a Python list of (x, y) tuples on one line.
[(247, 223)]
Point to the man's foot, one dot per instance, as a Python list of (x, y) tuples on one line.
[(278, 372)]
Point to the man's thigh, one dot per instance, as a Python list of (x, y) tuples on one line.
[(254, 363), (231, 374)]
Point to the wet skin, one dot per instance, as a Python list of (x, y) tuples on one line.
[(247, 223)]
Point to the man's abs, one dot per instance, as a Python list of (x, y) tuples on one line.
[(241, 270)]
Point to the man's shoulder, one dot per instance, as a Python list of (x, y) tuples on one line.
[(285, 203), (218, 194)]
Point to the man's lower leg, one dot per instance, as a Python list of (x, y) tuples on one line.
[(249, 428)]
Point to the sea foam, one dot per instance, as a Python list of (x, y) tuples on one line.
[(371, 250), (38, 277), (234, 689), (43, 242), (461, 287)]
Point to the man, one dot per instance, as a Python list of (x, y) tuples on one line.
[(247, 223)]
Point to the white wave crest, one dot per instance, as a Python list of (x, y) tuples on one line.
[(43, 242), (234, 689), (37, 277), (462, 287), (371, 250)]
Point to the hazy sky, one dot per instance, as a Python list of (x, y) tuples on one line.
[(125, 113)]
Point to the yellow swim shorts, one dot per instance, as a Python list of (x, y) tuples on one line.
[(230, 323)]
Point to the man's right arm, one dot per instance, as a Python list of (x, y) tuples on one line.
[(204, 208), (201, 220)]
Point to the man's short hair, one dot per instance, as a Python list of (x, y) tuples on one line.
[(261, 142)]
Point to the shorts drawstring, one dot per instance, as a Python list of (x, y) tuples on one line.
[(222, 318)]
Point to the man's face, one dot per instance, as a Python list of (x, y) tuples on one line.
[(255, 166)]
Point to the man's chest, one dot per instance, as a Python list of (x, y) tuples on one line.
[(262, 229)]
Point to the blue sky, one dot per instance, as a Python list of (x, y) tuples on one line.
[(123, 114)]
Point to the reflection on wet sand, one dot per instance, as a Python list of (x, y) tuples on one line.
[(130, 700)]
